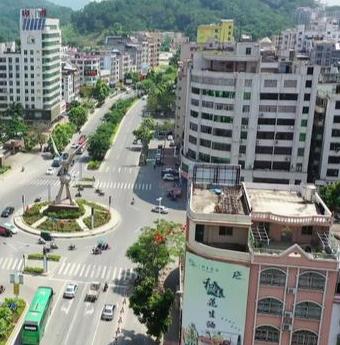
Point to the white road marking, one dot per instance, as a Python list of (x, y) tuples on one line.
[(143, 186), (77, 269), (119, 169), (114, 186), (87, 271), (14, 264), (72, 269), (9, 263), (108, 273), (1, 260), (67, 268), (103, 273), (98, 271), (119, 275), (82, 270), (21, 263), (55, 305), (61, 267), (93, 271), (114, 273)]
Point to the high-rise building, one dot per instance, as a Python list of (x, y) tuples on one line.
[(248, 109), (32, 75), (222, 32), (261, 263)]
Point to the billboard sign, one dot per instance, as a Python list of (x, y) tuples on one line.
[(214, 303)]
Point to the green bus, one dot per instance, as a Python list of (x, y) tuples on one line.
[(37, 315)]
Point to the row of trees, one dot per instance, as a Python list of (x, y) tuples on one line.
[(155, 248), (101, 140)]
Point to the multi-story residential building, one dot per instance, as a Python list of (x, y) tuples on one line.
[(70, 83), (125, 65), (242, 109), (324, 162), (110, 61), (32, 75), (261, 263), (154, 40), (222, 32), (88, 65)]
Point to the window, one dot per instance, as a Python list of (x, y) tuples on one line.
[(270, 96), (267, 334), (195, 90), (248, 51), (332, 172), (304, 123), (264, 149), (336, 133), (290, 83), (286, 122), (193, 113), (336, 119), (268, 108), (206, 129), (270, 306), (286, 108), (311, 280), (307, 230), (204, 157), (219, 132), (333, 160), (265, 121), (207, 116), (248, 83), (337, 105), (205, 142), (221, 146), (288, 96), (335, 147), (302, 137), (284, 136), (308, 83), (246, 109), (305, 110), (192, 140), (273, 277), (223, 119), (195, 102), (301, 152), (191, 154), (304, 338), (244, 135), (222, 106), (225, 231), (199, 232), (246, 95), (310, 70), (270, 83), (306, 97), (242, 149), (193, 127), (206, 104), (278, 150), (308, 310)]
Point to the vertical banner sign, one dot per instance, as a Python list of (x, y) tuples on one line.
[(214, 302)]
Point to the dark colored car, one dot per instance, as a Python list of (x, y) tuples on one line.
[(7, 211), (46, 236), (5, 232)]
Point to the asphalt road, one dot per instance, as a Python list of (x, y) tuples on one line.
[(75, 321)]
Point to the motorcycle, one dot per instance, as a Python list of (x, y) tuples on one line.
[(132, 201), (78, 195), (37, 199), (22, 169), (106, 286), (53, 245), (96, 251), (41, 241), (71, 247), (2, 289)]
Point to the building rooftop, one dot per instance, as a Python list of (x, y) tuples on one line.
[(281, 202), (227, 200)]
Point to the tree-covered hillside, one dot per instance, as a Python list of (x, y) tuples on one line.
[(10, 10), (259, 17)]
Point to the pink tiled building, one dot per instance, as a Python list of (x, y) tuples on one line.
[(277, 242)]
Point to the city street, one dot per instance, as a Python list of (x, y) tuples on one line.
[(75, 321)]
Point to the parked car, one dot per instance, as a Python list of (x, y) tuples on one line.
[(50, 171), (170, 171), (107, 313), (168, 177), (70, 290), (7, 211), (11, 227), (5, 232), (160, 209)]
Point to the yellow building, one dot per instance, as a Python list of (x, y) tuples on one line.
[(222, 32)]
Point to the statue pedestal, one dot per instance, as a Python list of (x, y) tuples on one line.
[(63, 206)]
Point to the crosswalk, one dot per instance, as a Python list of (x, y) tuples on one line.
[(119, 170), (123, 185), (52, 180), (114, 274), (11, 264)]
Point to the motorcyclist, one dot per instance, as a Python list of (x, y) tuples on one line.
[(132, 201), (106, 285)]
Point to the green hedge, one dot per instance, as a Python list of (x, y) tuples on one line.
[(93, 165), (4, 168), (65, 214), (68, 225), (13, 308), (33, 213), (40, 256), (33, 269)]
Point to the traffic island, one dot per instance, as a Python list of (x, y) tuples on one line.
[(86, 219)]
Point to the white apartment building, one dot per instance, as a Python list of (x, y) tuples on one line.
[(70, 83), (32, 75), (243, 110), (110, 61), (88, 65), (125, 65)]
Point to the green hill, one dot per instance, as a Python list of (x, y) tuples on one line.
[(10, 10), (259, 17)]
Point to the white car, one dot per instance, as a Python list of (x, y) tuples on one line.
[(50, 171), (107, 313), (70, 290), (74, 146), (160, 209), (168, 177), (11, 228)]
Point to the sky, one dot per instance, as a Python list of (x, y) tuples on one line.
[(333, 2)]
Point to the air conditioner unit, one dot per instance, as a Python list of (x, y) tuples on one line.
[(261, 114), (292, 290), (288, 314), (257, 141), (287, 327)]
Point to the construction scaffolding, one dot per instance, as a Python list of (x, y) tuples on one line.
[(260, 233)]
